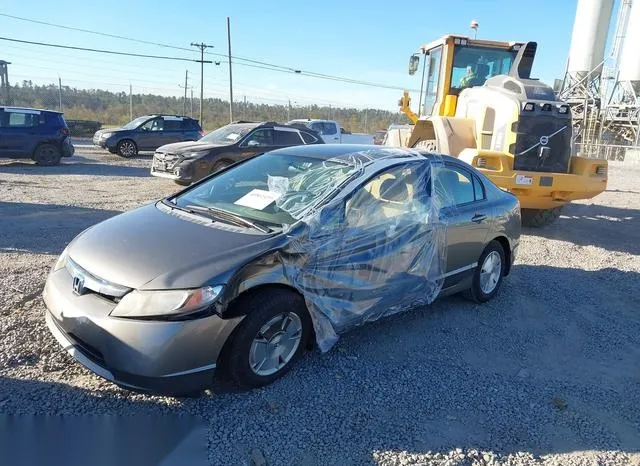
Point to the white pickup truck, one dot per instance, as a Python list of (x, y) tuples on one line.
[(332, 132)]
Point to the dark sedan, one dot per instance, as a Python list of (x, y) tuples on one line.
[(188, 162), (247, 268), (147, 133)]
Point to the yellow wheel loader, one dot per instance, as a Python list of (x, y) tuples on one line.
[(481, 105)]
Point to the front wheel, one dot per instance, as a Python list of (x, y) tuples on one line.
[(537, 218), (488, 275), (47, 155), (127, 148), (270, 338)]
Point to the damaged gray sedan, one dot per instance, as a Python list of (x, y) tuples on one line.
[(246, 269)]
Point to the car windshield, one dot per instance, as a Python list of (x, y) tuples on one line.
[(275, 188), (228, 134), (133, 124)]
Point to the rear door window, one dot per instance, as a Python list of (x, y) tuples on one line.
[(287, 138), (23, 119), (454, 186), (172, 125)]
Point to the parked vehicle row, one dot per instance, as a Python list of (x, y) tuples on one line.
[(147, 133), (332, 132), (187, 162), (41, 135), (244, 270)]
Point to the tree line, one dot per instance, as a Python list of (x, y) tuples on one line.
[(113, 108)]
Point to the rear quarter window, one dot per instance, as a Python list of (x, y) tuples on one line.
[(308, 138)]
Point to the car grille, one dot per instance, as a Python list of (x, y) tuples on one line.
[(96, 285), (163, 161)]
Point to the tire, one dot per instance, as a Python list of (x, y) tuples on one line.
[(127, 148), (47, 155), (244, 350), (478, 292), (428, 145), (537, 218), (182, 183)]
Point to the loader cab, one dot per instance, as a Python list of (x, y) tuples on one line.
[(454, 63)]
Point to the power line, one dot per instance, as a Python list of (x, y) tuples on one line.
[(112, 52), (250, 62)]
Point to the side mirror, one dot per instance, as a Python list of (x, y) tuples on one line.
[(253, 143), (414, 60)]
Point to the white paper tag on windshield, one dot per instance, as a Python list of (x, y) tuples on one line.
[(258, 199)]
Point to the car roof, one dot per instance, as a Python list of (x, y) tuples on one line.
[(369, 151), (11, 107)]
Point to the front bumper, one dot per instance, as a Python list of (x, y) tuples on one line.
[(174, 169), (149, 356)]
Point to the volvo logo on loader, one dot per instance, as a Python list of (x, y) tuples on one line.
[(544, 140)]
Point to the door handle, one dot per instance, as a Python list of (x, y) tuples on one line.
[(478, 218)]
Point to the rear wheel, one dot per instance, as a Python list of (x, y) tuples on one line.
[(270, 338), (127, 148), (47, 155), (540, 217), (488, 275)]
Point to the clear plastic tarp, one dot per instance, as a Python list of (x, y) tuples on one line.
[(378, 251)]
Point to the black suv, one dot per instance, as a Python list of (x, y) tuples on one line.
[(147, 133), (41, 135), (187, 162)]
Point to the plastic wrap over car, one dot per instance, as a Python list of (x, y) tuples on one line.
[(376, 252)]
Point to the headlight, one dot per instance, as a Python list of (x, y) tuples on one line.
[(165, 302), (61, 262), (195, 155), (106, 135)]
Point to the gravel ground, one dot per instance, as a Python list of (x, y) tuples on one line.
[(547, 373)]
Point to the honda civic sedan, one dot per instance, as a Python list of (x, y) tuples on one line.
[(246, 269)]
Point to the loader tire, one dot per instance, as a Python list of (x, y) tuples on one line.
[(537, 218), (427, 145)]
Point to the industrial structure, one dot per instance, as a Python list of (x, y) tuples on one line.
[(603, 89)]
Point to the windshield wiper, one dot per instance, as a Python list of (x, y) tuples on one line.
[(229, 216)]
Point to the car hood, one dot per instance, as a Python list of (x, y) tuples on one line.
[(110, 130), (150, 248), (188, 146)]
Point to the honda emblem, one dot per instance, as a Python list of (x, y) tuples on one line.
[(78, 285)]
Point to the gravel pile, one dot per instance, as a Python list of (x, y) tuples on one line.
[(547, 373)]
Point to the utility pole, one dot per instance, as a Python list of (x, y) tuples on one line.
[(202, 46), (192, 102), (244, 108), (59, 94), (329, 112), (130, 103), (4, 82), (230, 73), (186, 85), (289, 111), (365, 119)]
